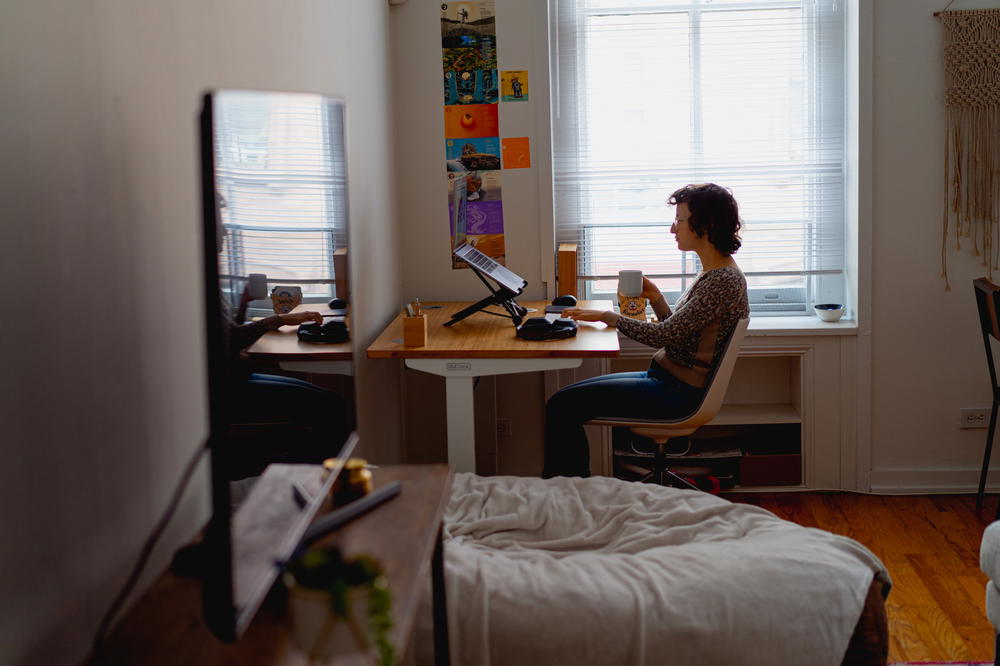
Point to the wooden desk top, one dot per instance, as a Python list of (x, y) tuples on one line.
[(284, 345), (486, 336), (165, 628)]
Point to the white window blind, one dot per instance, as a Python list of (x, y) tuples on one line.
[(750, 94), (282, 177)]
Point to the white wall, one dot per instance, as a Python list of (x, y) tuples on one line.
[(102, 385), (927, 352), (422, 186)]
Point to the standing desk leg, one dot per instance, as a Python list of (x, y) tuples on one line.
[(461, 423), (459, 375), (442, 656)]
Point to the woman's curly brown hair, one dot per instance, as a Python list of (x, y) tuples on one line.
[(713, 212)]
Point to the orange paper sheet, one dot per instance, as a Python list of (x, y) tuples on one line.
[(516, 153)]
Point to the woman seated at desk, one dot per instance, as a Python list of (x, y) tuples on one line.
[(320, 416), (317, 416), (690, 337)]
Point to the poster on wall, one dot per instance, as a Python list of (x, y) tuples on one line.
[(467, 23), (482, 154), (482, 56), (475, 212), (469, 53), (516, 153), (514, 85), (472, 127), (471, 121), (478, 86), (475, 209)]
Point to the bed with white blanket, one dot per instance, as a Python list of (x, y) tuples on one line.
[(606, 572)]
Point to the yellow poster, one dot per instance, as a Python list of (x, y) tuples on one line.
[(514, 85)]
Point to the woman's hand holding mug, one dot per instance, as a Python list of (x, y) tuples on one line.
[(650, 291)]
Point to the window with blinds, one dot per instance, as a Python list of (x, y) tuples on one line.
[(281, 176), (653, 95)]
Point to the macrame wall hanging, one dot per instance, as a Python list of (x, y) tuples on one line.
[(972, 144)]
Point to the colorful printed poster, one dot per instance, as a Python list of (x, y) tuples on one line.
[(514, 85), (478, 86), (471, 58), (472, 128), (516, 153), (470, 121), (475, 211), (466, 23), (473, 154)]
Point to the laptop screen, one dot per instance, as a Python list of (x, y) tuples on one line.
[(503, 276)]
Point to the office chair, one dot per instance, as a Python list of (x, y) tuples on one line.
[(255, 445), (988, 301), (662, 431)]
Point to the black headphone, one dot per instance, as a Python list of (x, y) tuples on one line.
[(329, 332), (540, 328)]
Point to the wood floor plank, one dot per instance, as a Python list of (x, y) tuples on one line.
[(938, 613), (946, 594), (930, 545), (914, 602), (973, 585)]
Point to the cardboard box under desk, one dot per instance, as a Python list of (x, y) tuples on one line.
[(782, 469)]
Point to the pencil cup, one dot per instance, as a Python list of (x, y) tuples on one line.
[(415, 331)]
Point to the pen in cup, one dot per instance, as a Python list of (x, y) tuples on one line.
[(414, 326)]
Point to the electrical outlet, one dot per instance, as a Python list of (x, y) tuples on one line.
[(504, 428), (971, 417)]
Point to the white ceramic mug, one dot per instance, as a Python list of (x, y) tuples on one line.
[(257, 286), (630, 283)]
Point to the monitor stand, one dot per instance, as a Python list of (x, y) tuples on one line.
[(502, 296)]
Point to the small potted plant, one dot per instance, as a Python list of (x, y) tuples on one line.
[(340, 605)]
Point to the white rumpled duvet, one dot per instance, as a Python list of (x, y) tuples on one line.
[(606, 572)]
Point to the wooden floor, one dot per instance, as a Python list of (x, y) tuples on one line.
[(930, 544)]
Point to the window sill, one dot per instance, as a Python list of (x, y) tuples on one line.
[(799, 326)]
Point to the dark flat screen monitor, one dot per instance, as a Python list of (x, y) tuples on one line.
[(238, 570)]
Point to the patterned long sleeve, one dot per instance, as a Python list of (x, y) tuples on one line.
[(706, 313)]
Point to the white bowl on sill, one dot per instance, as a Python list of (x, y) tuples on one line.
[(829, 311)]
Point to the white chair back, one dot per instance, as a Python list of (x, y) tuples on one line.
[(719, 381)]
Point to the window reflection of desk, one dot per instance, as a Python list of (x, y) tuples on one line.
[(483, 345), (284, 347), (166, 628)]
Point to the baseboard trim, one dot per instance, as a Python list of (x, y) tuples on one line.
[(931, 481)]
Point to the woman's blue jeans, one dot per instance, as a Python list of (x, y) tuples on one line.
[(649, 394), (321, 413)]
